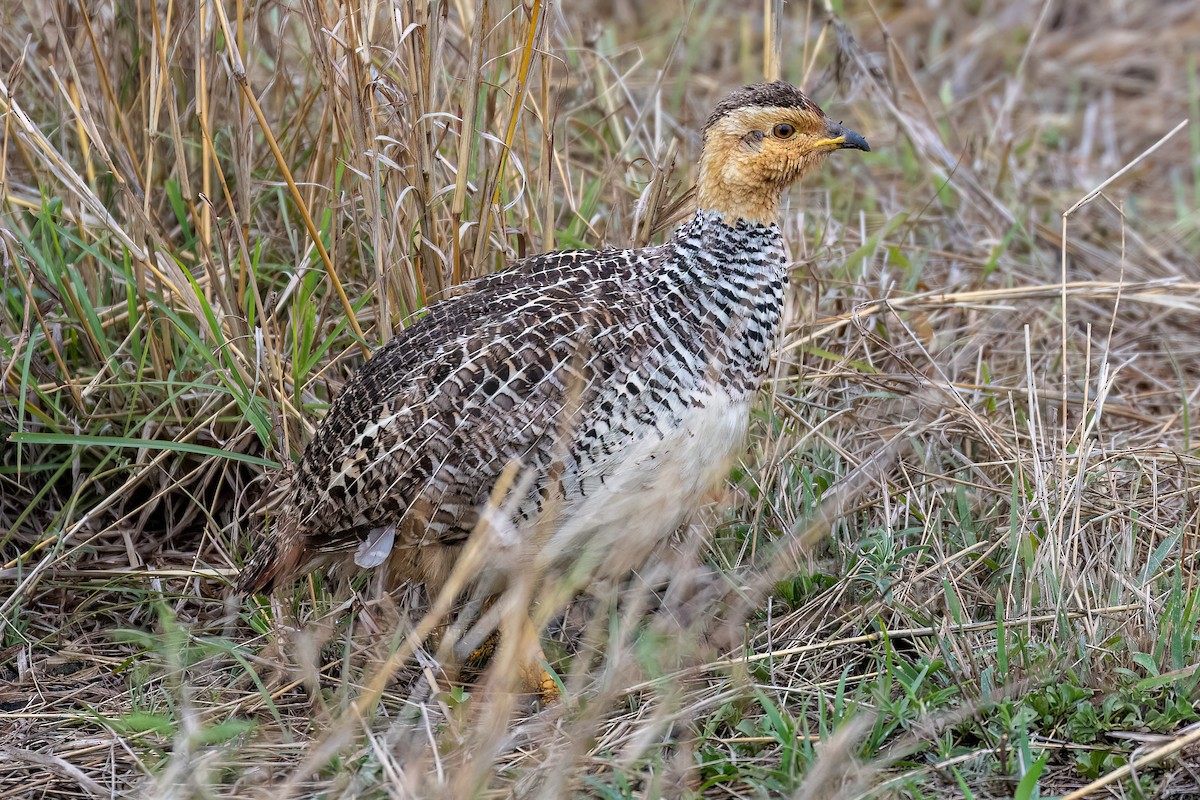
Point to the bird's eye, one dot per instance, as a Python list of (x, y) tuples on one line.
[(784, 130)]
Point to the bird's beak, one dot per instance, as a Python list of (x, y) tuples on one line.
[(842, 139)]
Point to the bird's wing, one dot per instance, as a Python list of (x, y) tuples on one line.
[(500, 373)]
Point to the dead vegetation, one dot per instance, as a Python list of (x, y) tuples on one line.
[(958, 559)]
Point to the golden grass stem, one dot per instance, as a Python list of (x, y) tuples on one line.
[(466, 139), (239, 76), (485, 226)]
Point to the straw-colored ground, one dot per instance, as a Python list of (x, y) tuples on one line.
[(958, 559)]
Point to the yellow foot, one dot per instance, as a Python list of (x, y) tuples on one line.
[(537, 680), (481, 655), (533, 678)]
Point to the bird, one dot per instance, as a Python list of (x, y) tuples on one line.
[(620, 381)]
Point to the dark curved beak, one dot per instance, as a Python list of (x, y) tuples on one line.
[(847, 139)]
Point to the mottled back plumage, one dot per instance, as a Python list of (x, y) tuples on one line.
[(620, 380)]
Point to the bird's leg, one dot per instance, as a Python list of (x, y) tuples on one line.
[(538, 680), (472, 651), (475, 632), (533, 677)]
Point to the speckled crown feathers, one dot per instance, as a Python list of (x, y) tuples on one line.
[(778, 94)]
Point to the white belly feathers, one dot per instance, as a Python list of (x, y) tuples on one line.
[(651, 490)]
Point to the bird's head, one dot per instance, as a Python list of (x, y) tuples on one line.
[(758, 141)]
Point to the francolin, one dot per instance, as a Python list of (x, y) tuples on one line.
[(620, 382)]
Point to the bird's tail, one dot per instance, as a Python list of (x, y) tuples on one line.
[(276, 558)]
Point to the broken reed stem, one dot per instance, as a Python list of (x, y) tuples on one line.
[(915, 633), (466, 139)]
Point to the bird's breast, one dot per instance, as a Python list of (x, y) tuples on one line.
[(626, 504)]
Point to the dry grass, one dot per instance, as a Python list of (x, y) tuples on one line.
[(959, 558)]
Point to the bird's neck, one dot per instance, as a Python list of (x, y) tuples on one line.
[(732, 243), (707, 250), (722, 188), (720, 292), (735, 206)]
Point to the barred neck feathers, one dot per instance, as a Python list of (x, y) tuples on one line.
[(712, 233), (721, 293)]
